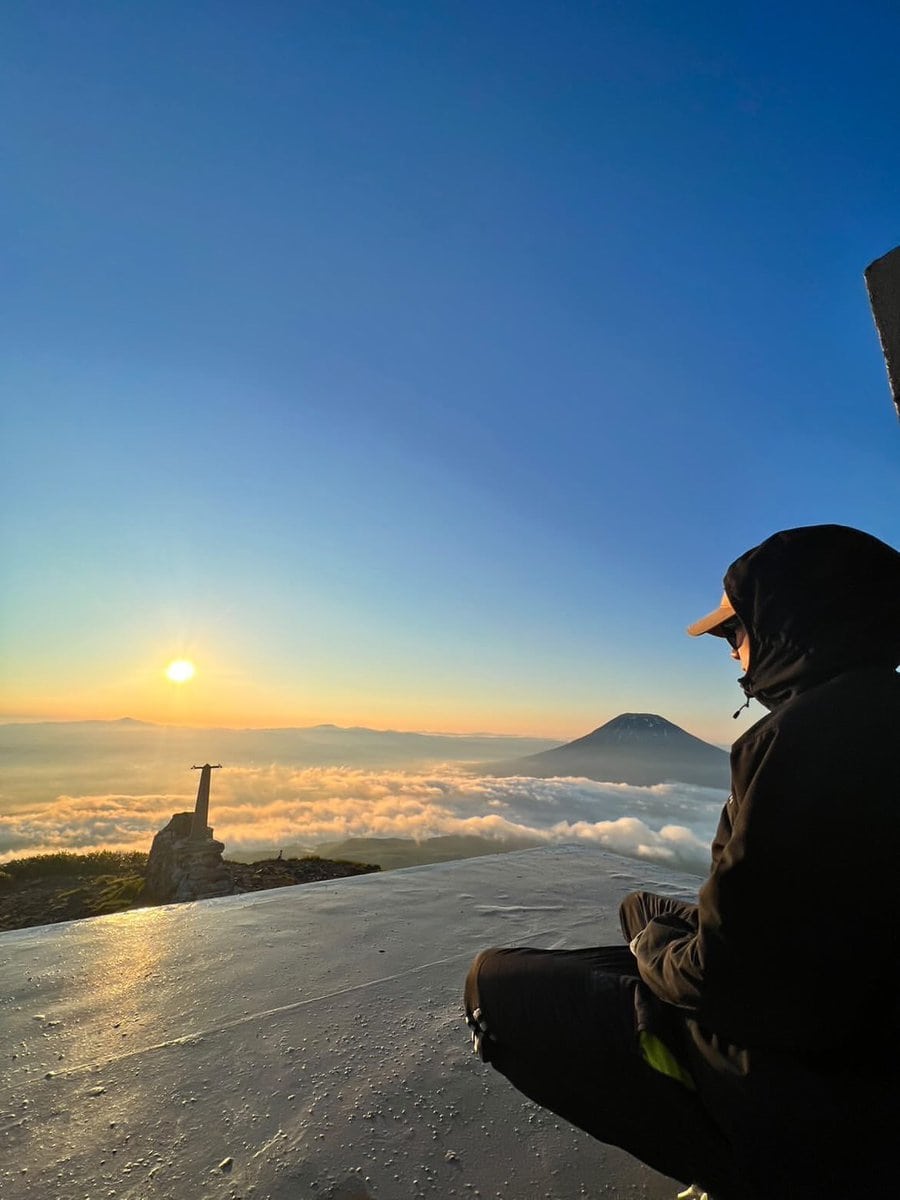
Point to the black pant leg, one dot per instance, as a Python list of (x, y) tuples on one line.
[(561, 1027)]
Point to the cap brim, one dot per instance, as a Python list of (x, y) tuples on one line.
[(711, 622)]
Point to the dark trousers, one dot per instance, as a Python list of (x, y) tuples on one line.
[(561, 1026)]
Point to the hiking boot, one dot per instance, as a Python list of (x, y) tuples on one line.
[(480, 1034)]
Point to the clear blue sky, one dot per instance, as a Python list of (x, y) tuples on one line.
[(425, 364)]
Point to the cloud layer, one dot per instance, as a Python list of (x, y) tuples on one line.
[(264, 807)]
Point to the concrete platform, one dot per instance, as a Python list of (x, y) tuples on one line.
[(299, 1043)]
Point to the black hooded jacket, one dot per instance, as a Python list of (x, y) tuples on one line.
[(794, 948)]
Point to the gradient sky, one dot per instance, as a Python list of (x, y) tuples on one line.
[(425, 364)]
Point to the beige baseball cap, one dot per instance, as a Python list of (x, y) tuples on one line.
[(711, 622)]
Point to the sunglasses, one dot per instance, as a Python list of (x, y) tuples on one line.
[(733, 632)]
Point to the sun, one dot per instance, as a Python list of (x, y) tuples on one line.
[(180, 671)]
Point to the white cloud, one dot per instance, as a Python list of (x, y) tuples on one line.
[(261, 808)]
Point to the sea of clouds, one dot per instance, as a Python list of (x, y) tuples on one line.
[(258, 808)]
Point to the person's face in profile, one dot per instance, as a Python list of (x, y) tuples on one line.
[(736, 636)]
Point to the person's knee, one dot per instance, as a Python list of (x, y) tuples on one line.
[(482, 1037), (472, 993)]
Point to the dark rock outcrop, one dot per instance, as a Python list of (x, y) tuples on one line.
[(37, 898)]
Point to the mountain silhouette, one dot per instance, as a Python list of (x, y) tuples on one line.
[(636, 748)]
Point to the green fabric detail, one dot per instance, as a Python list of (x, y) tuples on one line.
[(657, 1055)]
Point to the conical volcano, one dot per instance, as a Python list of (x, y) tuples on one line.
[(637, 748)]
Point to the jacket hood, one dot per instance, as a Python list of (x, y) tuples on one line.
[(816, 602)]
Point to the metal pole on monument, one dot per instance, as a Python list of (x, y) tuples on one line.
[(199, 827)]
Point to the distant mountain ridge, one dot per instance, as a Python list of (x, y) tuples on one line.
[(91, 742), (636, 748)]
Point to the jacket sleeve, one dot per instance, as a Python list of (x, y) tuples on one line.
[(795, 946), (745, 939), (672, 947)]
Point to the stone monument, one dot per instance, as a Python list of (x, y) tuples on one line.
[(185, 861)]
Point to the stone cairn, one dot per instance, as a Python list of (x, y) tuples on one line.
[(185, 861)]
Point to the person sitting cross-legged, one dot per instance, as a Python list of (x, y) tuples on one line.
[(746, 1044)]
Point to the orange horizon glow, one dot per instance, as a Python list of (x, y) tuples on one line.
[(446, 724), (226, 717)]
